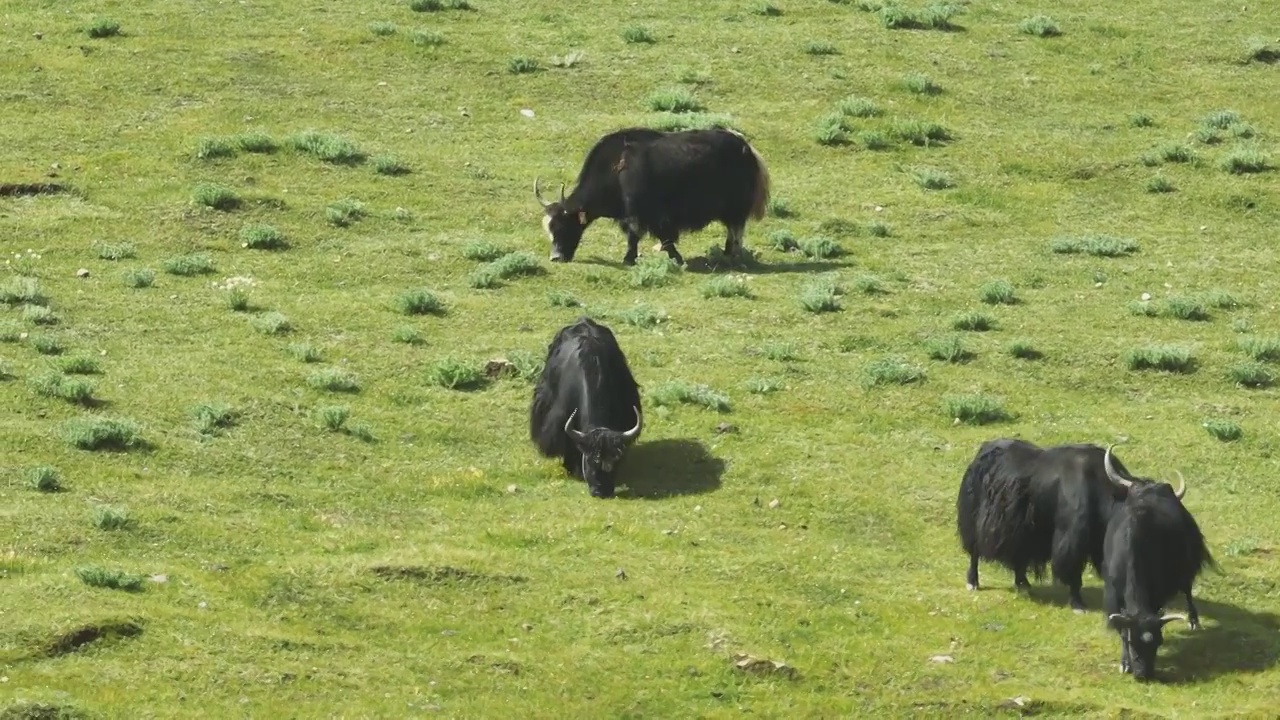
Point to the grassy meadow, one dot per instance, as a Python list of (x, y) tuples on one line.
[(267, 350)]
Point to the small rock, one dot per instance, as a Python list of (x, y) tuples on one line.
[(22, 336), (1146, 296), (697, 508), (1016, 702), (621, 574), (526, 112), (774, 504), (382, 83), (159, 578), (725, 427), (202, 605), (1097, 285), (38, 36), (879, 209), (499, 367), (82, 273), (512, 489), (526, 627), (942, 659), (763, 666)]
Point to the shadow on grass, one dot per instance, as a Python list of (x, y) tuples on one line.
[(667, 468), (1231, 640)]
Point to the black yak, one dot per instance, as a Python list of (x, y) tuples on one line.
[(586, 380), (1028, 507), (1153, 551), (663, 183)]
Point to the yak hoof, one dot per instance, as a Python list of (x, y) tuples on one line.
[(971, 586), (629, 260), (1078, 610)]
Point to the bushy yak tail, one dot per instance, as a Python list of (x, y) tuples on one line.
[(760, 197)]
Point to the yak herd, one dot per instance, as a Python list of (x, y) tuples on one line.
[(1019, 505)]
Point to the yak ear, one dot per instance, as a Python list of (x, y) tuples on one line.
[(582, 217)]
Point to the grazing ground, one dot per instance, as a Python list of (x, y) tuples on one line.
[(254, 463)]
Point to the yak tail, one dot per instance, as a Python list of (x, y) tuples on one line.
[(760, 199)]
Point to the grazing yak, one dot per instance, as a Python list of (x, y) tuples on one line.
[(660, 183), (586, 380), (1153, 551), (1026, 507)]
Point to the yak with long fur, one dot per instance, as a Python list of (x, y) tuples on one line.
[(586, 382), (1153, 551), (660, 183), (1027, 507)]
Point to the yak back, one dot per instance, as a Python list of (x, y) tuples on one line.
[(683, 181), (585, 370), (597, 190), (994, 511), (1154, 548)]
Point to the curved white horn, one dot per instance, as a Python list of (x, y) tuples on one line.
[(633, 432), (1111, 471), (538, 193), (561, 193), (1171, 617), (576, 434), (1182, 486)]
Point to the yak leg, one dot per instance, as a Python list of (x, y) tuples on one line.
[(1068, 564), (971, 579), (668, 239), (733, 239), (1125, 665), (1193, 615), (1020, 580), (633, 241)]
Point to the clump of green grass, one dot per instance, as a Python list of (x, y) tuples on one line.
[(891, 370), (420, 301), (973, 321), (111, 579), (1224, 430), (1221, 119), (56, 385), (692, 121), (138, 278), (820, 294), (1221, 299), (874, 140), (1163, 358), (819, 48), (116, 251), (675, 100), (819, 247), (869, 285), (44, 478), (382, 29), (1251, 374), (22, 291), (1024, 350), (767, 9), (1184, 308), (678, 392), (838, 226), (256, 142), (408, 335), (920, 84), (334, 380), (725, 286), (638, 34), (80, 365), (1140, 119), (272, 323), (654, 271), (1160, 184), (642, 316), (305, 352), (877, 228), (103, 433), (211, 148), (454, 374), (39, 315), (932, 179), (344, 212), (388, 165), (921, 133), (47, 345), (1095, 245), (333, 149), (831, 131), (528, 366), (213, 195), (1264, 349), (423, 37), (516, 264), (10, 332), (781, 351), (859, 107), (1175, 153), (262, 237), (1143, 308), (211, 418), (568, 60), (521, 65), (562, 298), (1207, 136), (975, 409), (189, 265), (782, 240), (780, 207), (1245, 160), (998, 292), (238, 299), (333, 417), (102, 28), (483, 251), (1040, 26), (949, 348), (1262, 51), (763, 386)]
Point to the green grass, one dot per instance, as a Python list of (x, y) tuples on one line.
[(269, 529)]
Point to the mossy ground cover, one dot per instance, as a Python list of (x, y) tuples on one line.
[(256, 460)]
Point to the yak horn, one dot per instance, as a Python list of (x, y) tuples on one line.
[(538, 193), (576, 434), (633, 432), (1171, 617), (1182, 486), (561, 193), (1111, 472)]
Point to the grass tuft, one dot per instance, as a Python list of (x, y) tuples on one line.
[(1183, 308), (103, 433), (725, 286), (1163, 358), (454, 374), (820, 295), (102, 28), (213, 195), (116, 251), (998, 292), (512, 265), (189, 265), (138, 278), (45, 479), (684, 393), (1039, 26), (638, 35), (1024, 350), (1224, 430), (674, 100), (333, 149), (1095, 245), (272, 323), (420, 301), (975, 409), (1160, 184), (948, 348), (212, 418), (334, 380), (920, 84), (1245, 160), (642, 316), (344, 212), (256, 142), (1251, 374), (521, 65), (973, 321), (389, 165), (262, 237), (305, 352), (55, 385), (819, 247), (891, 370)]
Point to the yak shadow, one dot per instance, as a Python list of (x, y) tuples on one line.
[(667, 468), (709, 265), (1230, 639)]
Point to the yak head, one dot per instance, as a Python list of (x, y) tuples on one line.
[(1143, 633), (564, 225), (1128, 485), (602, 451)]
